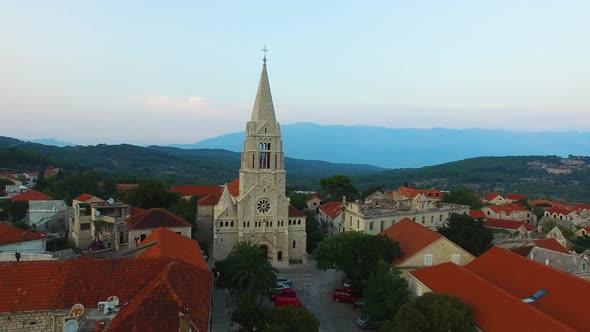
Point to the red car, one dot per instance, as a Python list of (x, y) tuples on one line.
[(287, 301), (284, 292), (345, 295)]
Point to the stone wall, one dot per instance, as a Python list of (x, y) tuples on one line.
[(441, 251), (33, 321)]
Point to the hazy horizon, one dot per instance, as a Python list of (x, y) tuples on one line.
[(160, 73)]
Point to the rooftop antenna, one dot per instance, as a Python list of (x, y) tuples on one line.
[(264, 50), (71, 325), (112, 302), (110, 201), (77, 310)]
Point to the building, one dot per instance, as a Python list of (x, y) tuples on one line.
[(258, 210), (579, 218), (493, 198), (499, 285), (141, 225), (375, 215), (153, 294), (30, 195), (14, 239), (314, 201), (422, 247), (330, 217), (404, 193), (513, 198), (49, 216), (510, 211), (518, 228)]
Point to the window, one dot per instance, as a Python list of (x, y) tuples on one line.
[(432, 219), (427, 259), (142, 237), (382, 225), (294, 244), (179, 233), (423, 219), (264, 158), (244, 224), (289, 221), (440, 217), (371, 226), (226, 223), (270, 223), (358, 224), (456, 258), (248, 224), (584, 266), (221, 224), (488, 213), (299, 222), (232, 224)]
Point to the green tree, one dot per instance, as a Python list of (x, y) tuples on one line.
[(468, 233), (291, 319), (41, 183), (464, 196), (248, 272), (313, 232), (548, 225), (298, 200), (187, 210), (150, 194), (356, 254), (385, 293), (337, 186), (3, 184), (432, 312)]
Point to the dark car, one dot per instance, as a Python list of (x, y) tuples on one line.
[(285, 281), (364, 323), (358, 304), (345, 295), (283, 292)]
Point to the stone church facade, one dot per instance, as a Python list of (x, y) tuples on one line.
[(254, 207)]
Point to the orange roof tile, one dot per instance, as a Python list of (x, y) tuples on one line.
[(332, 209), (490, 196), (31, 195), (84, 198), (211, 199), (507, 208), (134, 211), (493, 308), (10, 234), (508, 224), (194, 190), (126, 186), (412, 192), (551, 244), (579, 207), (559, 211), (477, 214), (516, 197), (411, 236), (293, 212), (168, 244), (234, 187), (319, 196), (544, 201), (521, 277), (154, 218)]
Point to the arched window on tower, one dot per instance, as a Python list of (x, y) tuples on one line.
[(264, 160)]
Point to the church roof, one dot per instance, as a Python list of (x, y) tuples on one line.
[(263, 107), (294, 212)]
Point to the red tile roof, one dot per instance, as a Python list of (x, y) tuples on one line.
[(158, 304), (126, 186), (412, 192), (213, 197), (521, 277), (10, 234), (293, 212), (234, 187), (477, 214), (154, 218), (490, 196), (135, 211), (31, 195), (516, 197), (194, 190), (84, 198), (411, 236), (168, 244), (319, 196), (507, 208), (559, 211), (332, 209), (544, 201), (579, 207), (493, 308), (508, 224), (551, 244)]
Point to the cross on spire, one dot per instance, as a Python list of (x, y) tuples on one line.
[(264, 50)]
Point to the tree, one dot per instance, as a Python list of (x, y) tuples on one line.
[(291, 319), (337, 186), (248, 273), (468, 233), (356, 254), (432, 312), (298, 200), (385, 293), (550, 224), (313, 232), (187, 210), (464, 196), (41, 183), (150, 194)]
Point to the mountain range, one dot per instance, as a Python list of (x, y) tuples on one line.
[(402, 148)]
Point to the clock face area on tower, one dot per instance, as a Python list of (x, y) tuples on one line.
[(263, 206)]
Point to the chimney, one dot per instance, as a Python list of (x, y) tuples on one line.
[(184, 322), (343, 199)]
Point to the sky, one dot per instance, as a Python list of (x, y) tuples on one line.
[(162, 72)]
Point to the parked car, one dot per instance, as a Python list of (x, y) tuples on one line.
[(358, 304), (286, 301), (345, 295), (283, 292), (345, 282), (281, 286), (364, 323), (285, 281)]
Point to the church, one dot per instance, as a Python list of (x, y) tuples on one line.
[(254, 206)]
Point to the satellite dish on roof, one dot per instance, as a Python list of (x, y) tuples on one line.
[(71, 325), (112, 301), (77, 310), (97, 213), (110, 201)]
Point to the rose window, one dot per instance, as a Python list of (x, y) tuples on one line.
[(263, 206)]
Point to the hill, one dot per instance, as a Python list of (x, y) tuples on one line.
[(550, 177), (208, 166), (403, 148)]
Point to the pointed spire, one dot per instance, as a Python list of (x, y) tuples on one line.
[(263, 107)]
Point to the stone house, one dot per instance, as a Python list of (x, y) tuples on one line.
[(513, 198), (314, 201), (423, 247), (578, 218), (141, 225), (330, 218), (510, 211), (14, 239), (518, 228), (493, 198)]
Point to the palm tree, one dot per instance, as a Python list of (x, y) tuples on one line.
[(249, 272)]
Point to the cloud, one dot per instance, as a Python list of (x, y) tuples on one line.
[(156, 101)]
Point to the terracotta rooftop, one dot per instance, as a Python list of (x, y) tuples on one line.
[(508, 224), (544, 201), (332, 209), (412, 192), (477, 214), (84, 198), (567, 295), (154, 218), (320, 196), (551, 244), (493, 308), (490, 196), (294, 212), (212, 198), (411, 236), (31, 195), (516, 197), (558, 211), (169, 245), (507, 208), (10, 234)]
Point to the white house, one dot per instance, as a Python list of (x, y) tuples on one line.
[(14, 239)]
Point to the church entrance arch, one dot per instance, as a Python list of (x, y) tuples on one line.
[(263, 250)]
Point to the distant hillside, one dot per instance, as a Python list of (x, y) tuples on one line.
[(51, 141), (403, 148), (174, 165), (549, 177)]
